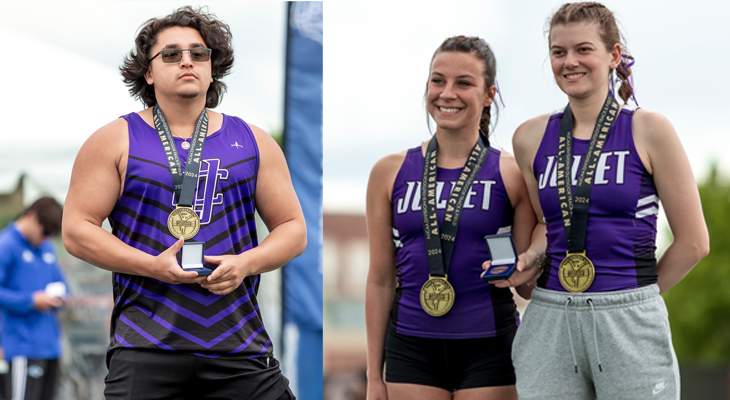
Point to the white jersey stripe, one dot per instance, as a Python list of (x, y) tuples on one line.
[(646, 200), (647, 212), (396, 238)]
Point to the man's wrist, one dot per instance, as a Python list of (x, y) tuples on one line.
[(148, 265)]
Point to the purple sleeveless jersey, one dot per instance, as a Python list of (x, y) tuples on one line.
[(621, 232), (479, 310), (149, 314)]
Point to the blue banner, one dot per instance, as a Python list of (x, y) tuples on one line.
[(303, 149)]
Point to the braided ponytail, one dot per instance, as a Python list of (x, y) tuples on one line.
[(484, 124), (623, 72)]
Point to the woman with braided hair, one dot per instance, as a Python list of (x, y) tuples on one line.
[(595, 171), (439, 330)]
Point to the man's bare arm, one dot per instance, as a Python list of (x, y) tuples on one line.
[(96, 184), (278, 206)]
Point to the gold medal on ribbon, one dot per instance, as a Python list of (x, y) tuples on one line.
[(183, 221), (437, 296), (576, 272)]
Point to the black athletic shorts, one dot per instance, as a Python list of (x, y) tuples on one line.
[(154, 375), (450, 364)]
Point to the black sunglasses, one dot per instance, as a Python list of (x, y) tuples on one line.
[(174, 56)]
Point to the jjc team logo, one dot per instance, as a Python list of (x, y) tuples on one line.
[(208, 195)]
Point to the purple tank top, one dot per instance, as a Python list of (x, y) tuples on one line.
[(622, 216), (149, 314), (479, 310)]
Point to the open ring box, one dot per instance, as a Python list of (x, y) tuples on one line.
[(192, 258), (504, 257)]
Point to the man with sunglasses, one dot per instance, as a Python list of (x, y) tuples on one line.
[(32, 288), (174, 172)]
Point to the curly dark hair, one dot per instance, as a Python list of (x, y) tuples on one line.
[(216, 35)]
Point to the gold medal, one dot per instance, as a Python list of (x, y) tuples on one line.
[(183, 221), (576, 272), (437, 296)]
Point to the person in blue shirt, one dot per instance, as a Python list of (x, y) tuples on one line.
[(32, 289)]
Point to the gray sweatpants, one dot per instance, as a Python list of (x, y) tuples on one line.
[(609, 345)]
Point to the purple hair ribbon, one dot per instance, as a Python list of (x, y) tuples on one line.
[(499, 92), (627, 62)]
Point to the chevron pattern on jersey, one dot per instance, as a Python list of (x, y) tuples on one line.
[(150, 314)]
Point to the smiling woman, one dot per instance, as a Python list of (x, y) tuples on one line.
[(601, 271), (440, 301), (456, 95), (580, 61)]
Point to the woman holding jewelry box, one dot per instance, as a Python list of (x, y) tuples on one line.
[(439, 330)]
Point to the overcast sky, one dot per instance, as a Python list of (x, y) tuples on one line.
[(377, 56), (61, 81), (104, 32)]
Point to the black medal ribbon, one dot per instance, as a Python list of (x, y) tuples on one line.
[(440, 246), (184, 180), (574, 210)]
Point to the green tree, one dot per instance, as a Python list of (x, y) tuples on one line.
[(699, 306), (5, 220), (278, 136)]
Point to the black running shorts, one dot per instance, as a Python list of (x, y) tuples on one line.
[(450, 364)]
